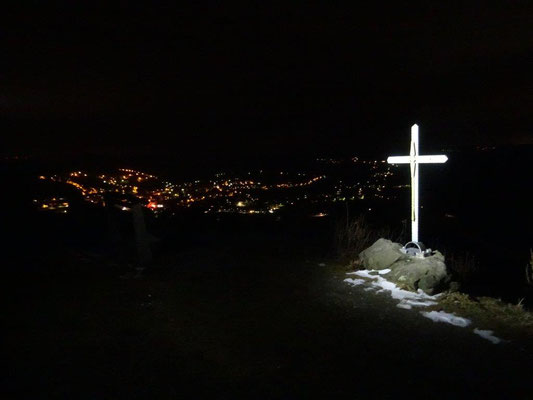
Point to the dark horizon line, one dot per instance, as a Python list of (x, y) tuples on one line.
[(109, 152)]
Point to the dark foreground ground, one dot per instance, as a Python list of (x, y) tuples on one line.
[(245, 315)]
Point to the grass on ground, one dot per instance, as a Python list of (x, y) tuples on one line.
[(509, 321)]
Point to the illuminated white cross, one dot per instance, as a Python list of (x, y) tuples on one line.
[(414, 159)]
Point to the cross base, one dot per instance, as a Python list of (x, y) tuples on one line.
[(416, 249)]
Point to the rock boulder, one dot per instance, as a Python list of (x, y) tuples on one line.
[(381, 255), (409, 272), (413, 273)]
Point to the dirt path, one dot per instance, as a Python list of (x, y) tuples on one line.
[(256, 320)]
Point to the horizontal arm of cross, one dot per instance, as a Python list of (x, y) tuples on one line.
[(417, 159)]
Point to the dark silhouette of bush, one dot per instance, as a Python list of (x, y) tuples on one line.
[(354, 235)]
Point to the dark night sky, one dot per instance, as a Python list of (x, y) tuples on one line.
[(201, 80)]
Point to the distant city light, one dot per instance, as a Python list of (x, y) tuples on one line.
[(262, 191)]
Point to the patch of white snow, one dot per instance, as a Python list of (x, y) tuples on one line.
[(354, 282), (384, 271), (365, 273), (408, 300), (381, 284), (418, 303), (403, 305), (441, 316), (485, 334)]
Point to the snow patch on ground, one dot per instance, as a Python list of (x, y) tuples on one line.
[(485, 334), (408, 300), (354, 282), (384, 271), (441, 316), (417, 303), (404, 305), (365, 273), (419, 298)]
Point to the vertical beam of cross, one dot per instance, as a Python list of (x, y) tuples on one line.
[(414, 182), (413, 159)]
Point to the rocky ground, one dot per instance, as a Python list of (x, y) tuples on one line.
[(252, 316)]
